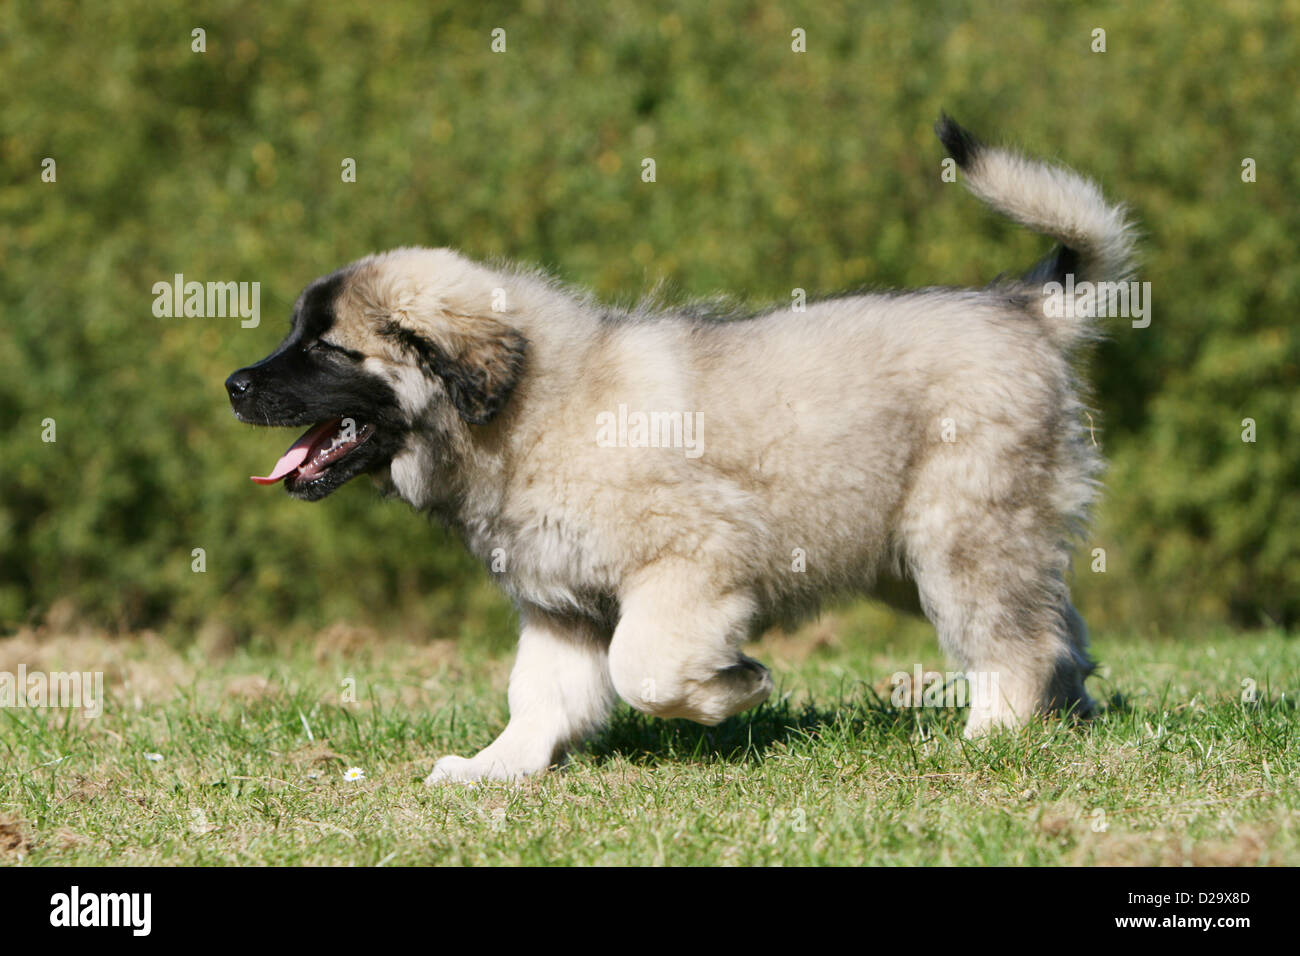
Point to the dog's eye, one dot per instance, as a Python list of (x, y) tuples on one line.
[(323, 349)]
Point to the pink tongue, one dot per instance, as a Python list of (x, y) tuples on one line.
[(297, 454)]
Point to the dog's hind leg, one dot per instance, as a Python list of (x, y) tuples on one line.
[(1012, 639), (560, 693), (675, 650), (990, 571)]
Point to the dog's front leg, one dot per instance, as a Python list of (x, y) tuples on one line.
[(560, 693), (675, 650)]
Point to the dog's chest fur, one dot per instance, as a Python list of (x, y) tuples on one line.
[(540, 559)]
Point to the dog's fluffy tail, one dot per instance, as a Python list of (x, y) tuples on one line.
[(1096, 238)]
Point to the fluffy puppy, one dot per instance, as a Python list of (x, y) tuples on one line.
[(653, 488)]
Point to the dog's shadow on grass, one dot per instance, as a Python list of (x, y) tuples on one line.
[(859, 716), (749, 737), (856, 716)]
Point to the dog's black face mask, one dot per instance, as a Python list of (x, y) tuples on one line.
[(357, 424)]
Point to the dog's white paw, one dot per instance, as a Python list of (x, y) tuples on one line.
[(453, 770), (472, 769)]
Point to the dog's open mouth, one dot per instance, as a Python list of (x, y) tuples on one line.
[(316, 452)]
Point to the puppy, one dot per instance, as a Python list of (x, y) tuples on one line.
[(654, 488)]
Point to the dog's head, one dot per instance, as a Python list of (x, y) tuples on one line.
[(380, 355)]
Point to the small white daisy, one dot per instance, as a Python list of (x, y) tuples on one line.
[(354, 773)]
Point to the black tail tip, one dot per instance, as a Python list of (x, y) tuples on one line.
[(960, 143)]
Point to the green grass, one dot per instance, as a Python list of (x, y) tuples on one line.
[(254, 746)]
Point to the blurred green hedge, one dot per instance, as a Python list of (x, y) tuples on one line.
[(774, 169)]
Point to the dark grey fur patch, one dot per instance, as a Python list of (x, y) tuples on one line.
[(1054, 267)]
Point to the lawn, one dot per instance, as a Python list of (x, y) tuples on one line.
[(205, 755)]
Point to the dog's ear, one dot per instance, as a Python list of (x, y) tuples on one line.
[(478, 359)]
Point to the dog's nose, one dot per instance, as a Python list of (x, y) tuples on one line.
[(238, 384)]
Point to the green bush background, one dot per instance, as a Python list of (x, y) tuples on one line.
[(775, 171)]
